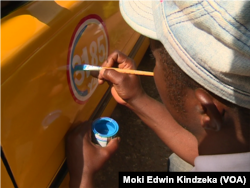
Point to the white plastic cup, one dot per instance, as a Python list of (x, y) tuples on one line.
[(104, 129)]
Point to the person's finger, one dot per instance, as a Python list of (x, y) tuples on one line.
[(116, 59), (100, 82), (119, 59), (112, 76), (94, 74), (111, 147)]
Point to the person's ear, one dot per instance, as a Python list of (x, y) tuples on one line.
[(212, 111)]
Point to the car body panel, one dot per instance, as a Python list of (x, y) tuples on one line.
[(42, 95), (5, 179)]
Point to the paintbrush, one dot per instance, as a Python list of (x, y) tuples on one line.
[(127, 71)]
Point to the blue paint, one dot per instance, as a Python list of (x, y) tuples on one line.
[(78, 68), (105, 126)]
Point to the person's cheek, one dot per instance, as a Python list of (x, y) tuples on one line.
[(160, 82)]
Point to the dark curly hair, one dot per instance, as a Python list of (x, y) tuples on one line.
[(178, 81)]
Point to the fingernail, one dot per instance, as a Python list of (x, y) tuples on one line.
[(118, 139)]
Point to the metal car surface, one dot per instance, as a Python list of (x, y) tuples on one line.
[(42, 95)]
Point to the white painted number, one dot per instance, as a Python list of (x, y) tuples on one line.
[(101, 49), (85, 59), (77, 61), (93, 50), (95, 59)]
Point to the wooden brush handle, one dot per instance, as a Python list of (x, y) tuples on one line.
[(127, 71)]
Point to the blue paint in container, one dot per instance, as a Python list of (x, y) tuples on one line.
[(104, 128)]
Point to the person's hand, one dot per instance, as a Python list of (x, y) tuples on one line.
[(125, 87), (84, 158)]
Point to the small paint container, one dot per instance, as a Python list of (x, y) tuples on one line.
[(104, 129)]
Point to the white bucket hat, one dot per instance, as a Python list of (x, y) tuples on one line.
[(209, 40)]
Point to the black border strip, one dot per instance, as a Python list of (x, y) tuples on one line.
[(97, 113), (6, 164), (11, 6), (60, 176)]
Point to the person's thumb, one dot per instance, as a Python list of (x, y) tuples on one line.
[(111, 147)]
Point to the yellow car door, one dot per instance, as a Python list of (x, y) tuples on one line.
[(42, 94)]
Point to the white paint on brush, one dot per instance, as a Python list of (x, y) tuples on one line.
[(91, 67)]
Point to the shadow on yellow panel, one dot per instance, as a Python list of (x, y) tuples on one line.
[(65, 183)]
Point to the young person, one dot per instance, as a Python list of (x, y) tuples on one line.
[(202, 73)]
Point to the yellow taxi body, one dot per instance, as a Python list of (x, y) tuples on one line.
[(42, 96)]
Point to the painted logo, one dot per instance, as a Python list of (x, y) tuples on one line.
[(88, 45)]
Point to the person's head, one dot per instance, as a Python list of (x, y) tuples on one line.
[(205, 81)]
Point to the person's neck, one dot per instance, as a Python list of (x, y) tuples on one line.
[(232, 138)]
